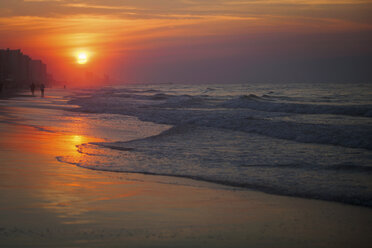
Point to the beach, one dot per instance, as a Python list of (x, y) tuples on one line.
[(183, 123), (47, 203)]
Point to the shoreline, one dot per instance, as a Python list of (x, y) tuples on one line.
[(240, 186), (47, 203), (193, 180), (232, 187)]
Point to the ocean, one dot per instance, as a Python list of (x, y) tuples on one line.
[(295, 139)]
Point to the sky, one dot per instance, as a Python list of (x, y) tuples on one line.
[(195, 41)]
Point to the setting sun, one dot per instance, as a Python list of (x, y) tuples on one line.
[(82, 58)]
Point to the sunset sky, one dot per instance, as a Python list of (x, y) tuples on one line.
[(191, 41)]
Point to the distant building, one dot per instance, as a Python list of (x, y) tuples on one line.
[(18, 70)]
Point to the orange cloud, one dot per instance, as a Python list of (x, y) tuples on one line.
[(55, 29)]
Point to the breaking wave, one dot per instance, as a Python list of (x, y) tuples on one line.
[(261, 104), (249, 113)]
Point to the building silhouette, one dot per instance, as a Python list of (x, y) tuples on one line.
[(18, 70)]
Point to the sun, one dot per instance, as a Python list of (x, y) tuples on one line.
[(82, 58)]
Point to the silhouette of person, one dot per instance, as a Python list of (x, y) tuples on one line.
[(42, 87), (1, 87), (32, 87)]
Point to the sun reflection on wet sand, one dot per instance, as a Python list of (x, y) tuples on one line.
[(59, 187)]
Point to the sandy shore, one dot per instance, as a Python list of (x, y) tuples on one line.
[(45, 203)]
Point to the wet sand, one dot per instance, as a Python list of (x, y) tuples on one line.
[(45, 203)]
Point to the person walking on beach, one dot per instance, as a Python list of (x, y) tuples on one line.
[(42, 87), (32, 87)]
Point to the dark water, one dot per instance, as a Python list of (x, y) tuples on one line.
[(304, 140)]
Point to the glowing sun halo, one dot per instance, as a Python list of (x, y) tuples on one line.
[(82, 58)]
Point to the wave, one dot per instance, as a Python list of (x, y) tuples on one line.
[(176, 110), (347, 167), (286, 179), (259, 103)]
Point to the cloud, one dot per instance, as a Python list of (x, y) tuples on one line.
[(90, 6), (189, 29)]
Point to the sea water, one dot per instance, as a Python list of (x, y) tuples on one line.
[(296, 139)]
